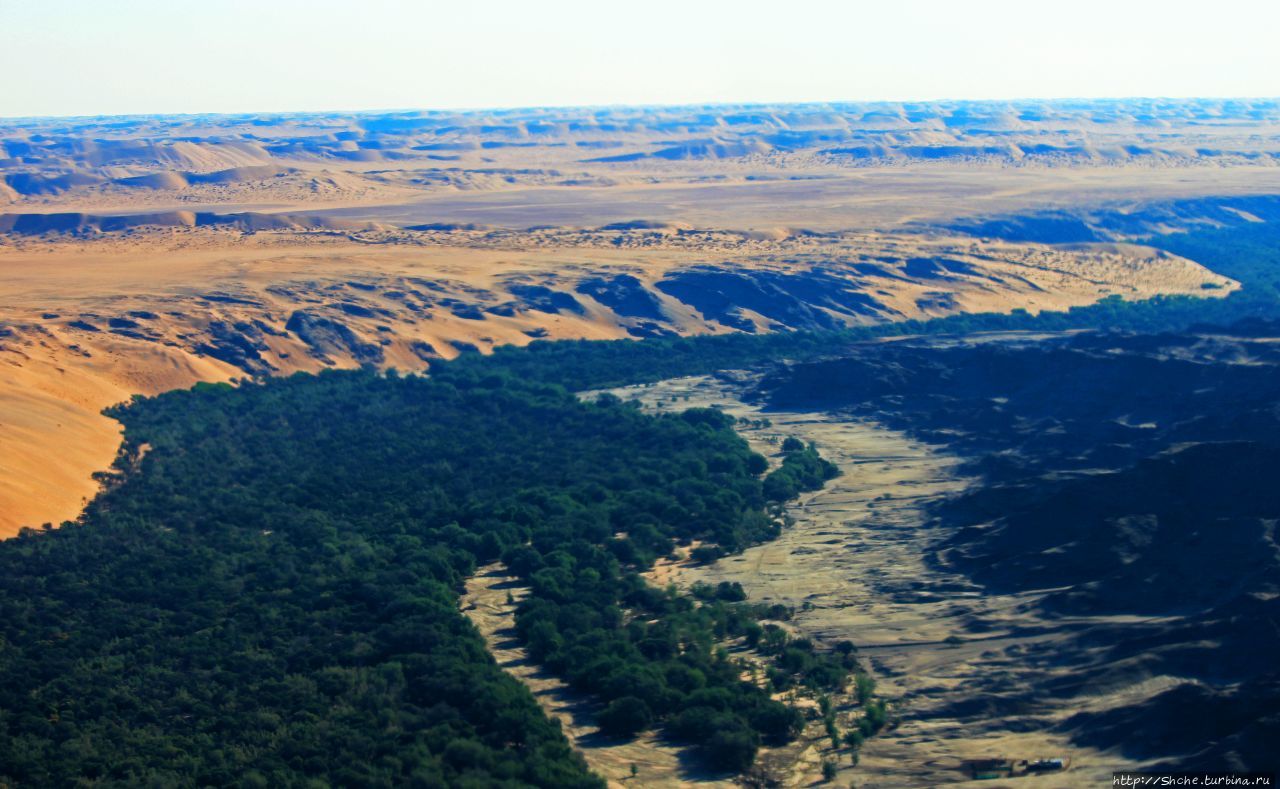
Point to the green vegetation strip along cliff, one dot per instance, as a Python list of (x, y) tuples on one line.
[(1250, 255)]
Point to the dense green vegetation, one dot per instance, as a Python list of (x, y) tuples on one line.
[(802, 469), (270, 596), (1249, 254)]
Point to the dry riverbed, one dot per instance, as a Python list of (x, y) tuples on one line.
[(853, 566), (950, 659)]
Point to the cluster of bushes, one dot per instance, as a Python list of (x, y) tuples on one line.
[(802, 469), (729, 591)]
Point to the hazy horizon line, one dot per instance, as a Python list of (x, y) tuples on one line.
[(640, 105)]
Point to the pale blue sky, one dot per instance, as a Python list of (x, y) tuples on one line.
[(76, 57)]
